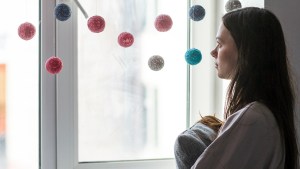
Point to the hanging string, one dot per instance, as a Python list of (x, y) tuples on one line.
[(26, 9), (81, 8), (96, 7)]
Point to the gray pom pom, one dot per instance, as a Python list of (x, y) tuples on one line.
[(156, 62), (232, 5)]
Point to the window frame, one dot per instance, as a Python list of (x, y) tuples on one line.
[(47, 112)]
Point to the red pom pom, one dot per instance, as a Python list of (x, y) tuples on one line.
[(125, 39), (54, 65), (26, 31), (163, 23), (96, 24)]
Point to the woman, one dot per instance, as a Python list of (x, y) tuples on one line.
[(259, 131)]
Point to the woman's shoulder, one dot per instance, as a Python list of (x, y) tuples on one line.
[(254, 113), (257, 113)]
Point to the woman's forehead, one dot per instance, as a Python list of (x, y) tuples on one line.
[(223, 34)]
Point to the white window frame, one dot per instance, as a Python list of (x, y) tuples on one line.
[(47, 134), (58, 130)]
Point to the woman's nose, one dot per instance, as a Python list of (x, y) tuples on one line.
[(214, 53)]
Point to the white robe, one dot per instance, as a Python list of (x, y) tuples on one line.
[(249, 139)]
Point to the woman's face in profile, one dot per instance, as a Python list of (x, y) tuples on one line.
[(225, 53)]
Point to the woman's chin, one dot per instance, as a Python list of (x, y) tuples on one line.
[(222, 76)]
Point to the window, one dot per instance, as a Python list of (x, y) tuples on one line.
[(107, 108)]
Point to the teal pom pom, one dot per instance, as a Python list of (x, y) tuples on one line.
[(193, 56)]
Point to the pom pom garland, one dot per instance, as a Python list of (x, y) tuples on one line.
[(193, 56), (163, 23), (96, 24), (232, 4), (197, 12), (53, 65), (62, 12), (156, 63), (26, 31), (125, 39)]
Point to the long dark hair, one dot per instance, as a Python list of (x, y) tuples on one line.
[(262, 72)]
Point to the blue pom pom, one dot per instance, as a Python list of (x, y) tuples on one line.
[(197, 12), (193, 56), (62, 12)]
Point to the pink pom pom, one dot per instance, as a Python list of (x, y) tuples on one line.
[(96, 24), (125, 39), (163, 23), (54, 65), (26, 31)]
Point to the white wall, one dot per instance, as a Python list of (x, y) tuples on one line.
[(288, 14)]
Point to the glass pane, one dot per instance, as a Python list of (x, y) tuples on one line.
[(125, 109), (19, 66)]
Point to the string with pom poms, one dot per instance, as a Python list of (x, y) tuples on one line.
[(96, 23), (193, 56), (196, 12), (26, 30), (62, 11), (53, 65), (162, 23)]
